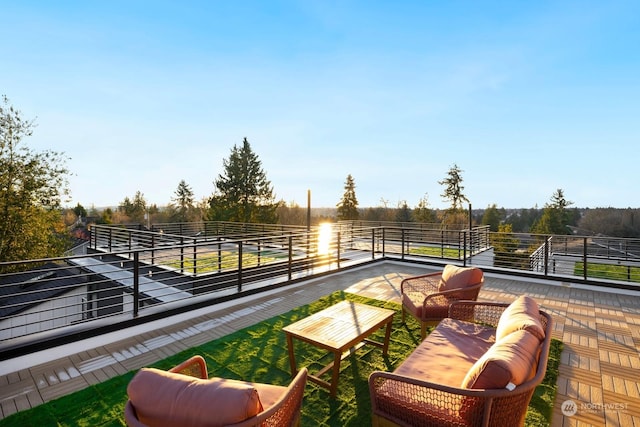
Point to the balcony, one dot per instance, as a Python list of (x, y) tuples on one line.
[(143, 302)]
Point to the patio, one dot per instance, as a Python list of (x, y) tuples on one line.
[(600, 331)]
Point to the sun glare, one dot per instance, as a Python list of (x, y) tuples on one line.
[(324, 238)]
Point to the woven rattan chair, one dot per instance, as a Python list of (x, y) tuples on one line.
[(283, 410), (427, 297)]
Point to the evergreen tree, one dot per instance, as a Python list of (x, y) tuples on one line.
[(491, 217), (453, 188), (184, 202), (32, 186), (106, 217), (523, 219), (243, 193), (403, 214), (135, 209), (422, 212), (80, 211), (554, 219), (348, 206)]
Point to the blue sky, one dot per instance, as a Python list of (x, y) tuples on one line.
[(525, 97)]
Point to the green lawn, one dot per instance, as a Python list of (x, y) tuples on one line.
[(608, 271), (225, 261), (259, 353), (434, 251)]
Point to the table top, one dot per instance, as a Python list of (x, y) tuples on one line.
[(340, 326)]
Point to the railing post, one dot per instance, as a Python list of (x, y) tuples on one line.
[(153, 251), (546, 255), (384, 242), (181, 254), (259, 249), (240, 266), (136, 283), (373, 243), (464, 247), (195, 256), (338, 251), (289, 268), (584, 258), (402, 243)]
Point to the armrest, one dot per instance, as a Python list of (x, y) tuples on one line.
[(467, 293), (284, 411), (194, 367)]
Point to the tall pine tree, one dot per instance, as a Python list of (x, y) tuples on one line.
[(348, 206), (243, 193), (183, 202)]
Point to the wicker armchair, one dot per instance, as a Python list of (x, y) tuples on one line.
[(398, 400), (281, 407), (427, 298)]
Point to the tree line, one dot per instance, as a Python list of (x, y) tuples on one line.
[(34, 185)]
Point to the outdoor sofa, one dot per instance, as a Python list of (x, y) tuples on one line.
[(185, 397), (478, 367)]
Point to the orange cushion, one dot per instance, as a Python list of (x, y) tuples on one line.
[(448, 352), (510, 360), (164, 398), (523, 313), (454, 277)]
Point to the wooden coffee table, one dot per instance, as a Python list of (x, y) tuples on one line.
[(340, 329)]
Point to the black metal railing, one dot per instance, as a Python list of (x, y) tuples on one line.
[(134, 274)]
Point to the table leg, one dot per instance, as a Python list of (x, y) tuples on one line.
[(292, 357), (335, 375), (387, 337)]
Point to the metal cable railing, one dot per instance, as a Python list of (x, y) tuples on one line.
[(131, 273)]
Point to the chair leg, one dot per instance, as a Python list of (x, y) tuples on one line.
[(423, 330)]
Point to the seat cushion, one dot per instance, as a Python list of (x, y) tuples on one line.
[(448, 352), (510, 360), (454, 277), (523, 313), (163, 398)]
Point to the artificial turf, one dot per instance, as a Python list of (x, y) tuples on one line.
[(259, 354)]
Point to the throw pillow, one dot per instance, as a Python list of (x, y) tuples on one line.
[(454, 277), (510, 360), (164, 398), (523, 313)]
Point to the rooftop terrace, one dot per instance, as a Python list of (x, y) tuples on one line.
[(600, 329)]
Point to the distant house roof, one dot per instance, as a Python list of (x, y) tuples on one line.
[(21, 291)]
